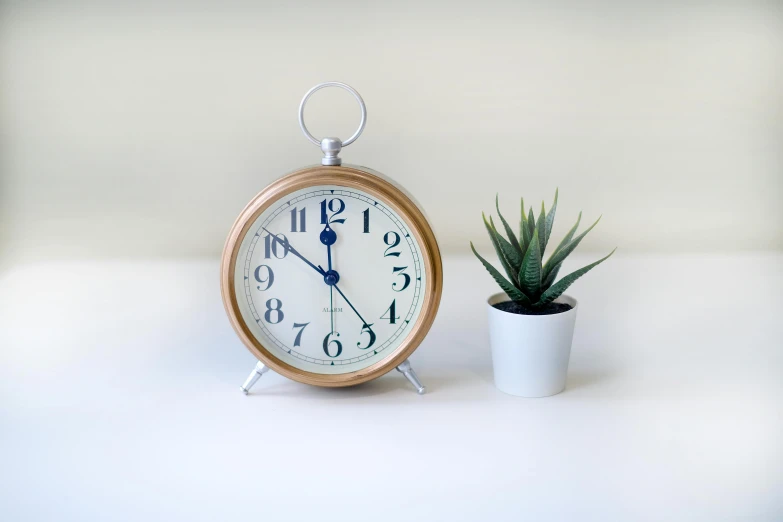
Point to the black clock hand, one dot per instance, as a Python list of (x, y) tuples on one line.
[(291, 249), (331, 301), (364, 323), (329, 237)]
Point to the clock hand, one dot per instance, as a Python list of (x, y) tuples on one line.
[(291, 249), (331, 307), (331, 301), (328, 237), (364, 323)]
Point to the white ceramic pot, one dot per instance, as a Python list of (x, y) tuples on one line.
[(530, 352)]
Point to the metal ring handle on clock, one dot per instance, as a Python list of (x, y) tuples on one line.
[(331, 146)]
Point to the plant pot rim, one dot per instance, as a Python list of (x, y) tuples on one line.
[(502, 297)]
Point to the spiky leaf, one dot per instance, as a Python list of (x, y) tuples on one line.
[(557, 289), (541, 228), (512, 238), (550, 278), (493, 236), (531, 222), (564, 252), (530, 273), (513, 256), (567, 238), (524, 232), (550, 218), (504, 284)]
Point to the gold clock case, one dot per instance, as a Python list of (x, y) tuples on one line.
[(349, 176)]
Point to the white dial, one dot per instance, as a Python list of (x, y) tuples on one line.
[(330, 279)]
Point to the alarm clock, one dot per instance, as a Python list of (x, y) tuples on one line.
[(331, 275)]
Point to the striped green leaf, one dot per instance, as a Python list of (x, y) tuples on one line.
[(541, 226), (504, 283), (567, 238), (531, 223), (565, 251), (494, 237), (550, 218), (557, 289), (512, 238), (524, 232), (513, 256), (551, 277), (530, 273)]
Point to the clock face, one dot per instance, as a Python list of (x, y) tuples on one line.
[(330, 279)]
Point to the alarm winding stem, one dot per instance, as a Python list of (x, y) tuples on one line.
[(331, 146)]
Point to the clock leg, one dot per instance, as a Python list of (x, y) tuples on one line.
[(406, 369), (256, 374)]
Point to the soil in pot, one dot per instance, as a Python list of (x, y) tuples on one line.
[(513, 307)]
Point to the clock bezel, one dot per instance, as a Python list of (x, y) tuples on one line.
[(350, 177)]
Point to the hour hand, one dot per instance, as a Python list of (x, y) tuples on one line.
[(328, 237), (285, 244)]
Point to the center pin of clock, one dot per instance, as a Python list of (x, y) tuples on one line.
[(331, 277)]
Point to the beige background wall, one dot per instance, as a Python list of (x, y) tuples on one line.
[(143, 129)]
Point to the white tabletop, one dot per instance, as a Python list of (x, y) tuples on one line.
[(119, 400)]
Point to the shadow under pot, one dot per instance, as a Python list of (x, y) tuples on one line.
[(530, 353)]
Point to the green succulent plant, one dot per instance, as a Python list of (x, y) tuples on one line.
[(531, 281)]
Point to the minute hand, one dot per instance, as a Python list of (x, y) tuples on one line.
[(291, 249), (364, 323)]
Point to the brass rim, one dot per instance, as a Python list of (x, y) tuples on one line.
[(350, 177)]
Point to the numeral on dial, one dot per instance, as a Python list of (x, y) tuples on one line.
[(301, 221), (274, 306), (392, 311), (269, 279), (366, 214), (367, 328), (401, 270), (298, 339), (271, 246), (328, 343), (392, 239), (335, 206)]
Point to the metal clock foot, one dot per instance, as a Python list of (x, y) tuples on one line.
[(406, 369), (256, 374)]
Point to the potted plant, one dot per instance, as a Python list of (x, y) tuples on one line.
[(531, 323)]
